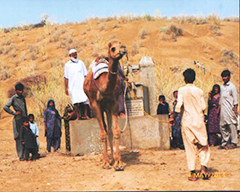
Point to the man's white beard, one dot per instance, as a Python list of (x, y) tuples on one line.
[(74, 60)]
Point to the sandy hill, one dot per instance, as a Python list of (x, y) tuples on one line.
[(174, 44)]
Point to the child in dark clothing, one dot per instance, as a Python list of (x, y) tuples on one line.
[(28, 140), (163, 106)]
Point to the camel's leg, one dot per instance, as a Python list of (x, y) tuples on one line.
[(110, 134), (116, 132), (103, 134)]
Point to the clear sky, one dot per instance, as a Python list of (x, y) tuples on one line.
[(13, 13)]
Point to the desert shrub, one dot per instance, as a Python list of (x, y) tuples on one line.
[(84, 32), (5, 71), (135, 49), (33, 56), (7, 41), (52, 89), (233, 19), (143, 33), (215, 24), (83, 43), (11, 49), (40, 38), (28, 82), (115, 25), (96, 50), (110, 18), (3, 101), (229, 57), (172, 31), (34, 48), (125, 18), (56, 63), (148, 17), (111, 37), (102, 27), (175, 30), (56, 36)]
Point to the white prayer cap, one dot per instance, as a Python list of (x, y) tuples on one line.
[(72, 51)]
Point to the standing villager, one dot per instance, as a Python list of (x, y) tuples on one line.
[(74, 75), (68, 116), (176, 127), (213, 123), (121, 109), (52, 121), (193, 127), (229, 114), (18, 103)]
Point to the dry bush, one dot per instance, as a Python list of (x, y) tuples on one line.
[(115, 25), (148, 17), (96, 51), (135, 49), (34, 48), (125, 18), (56, 63), (191, 19), (228, 57), (84, 32), (33, 56), (171, 31), (83, 43), (111, 38), (102, 27), (52, 89), (110, 18), (40, 38), (6, 42), (143, 33), (28, 82), (5, 71), (11, 50), (215, 24), (56, 36), (3, 100), (232, 19)]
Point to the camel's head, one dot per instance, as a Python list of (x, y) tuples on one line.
[(116, 50)]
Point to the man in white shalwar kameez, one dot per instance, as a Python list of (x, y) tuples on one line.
[(74, 75), (191, 101)]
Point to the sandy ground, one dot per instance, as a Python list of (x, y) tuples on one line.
[(145, 170)]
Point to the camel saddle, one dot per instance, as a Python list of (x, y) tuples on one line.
[(100, 67)]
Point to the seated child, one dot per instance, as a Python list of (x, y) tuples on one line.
[(28, 140)]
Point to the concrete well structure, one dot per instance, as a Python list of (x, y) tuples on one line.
[(141, 133)]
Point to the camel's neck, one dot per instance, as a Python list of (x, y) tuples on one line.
[(112, 74)]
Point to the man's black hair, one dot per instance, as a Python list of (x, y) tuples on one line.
[(226, 73), (31, 115), (189, 75), (161, 97), (19, 86)]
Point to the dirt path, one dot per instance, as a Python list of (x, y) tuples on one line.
[(144, 169)]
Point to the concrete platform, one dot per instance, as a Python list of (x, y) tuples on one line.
[(141, 133)]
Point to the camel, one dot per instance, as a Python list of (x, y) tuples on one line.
[(103, 95)]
